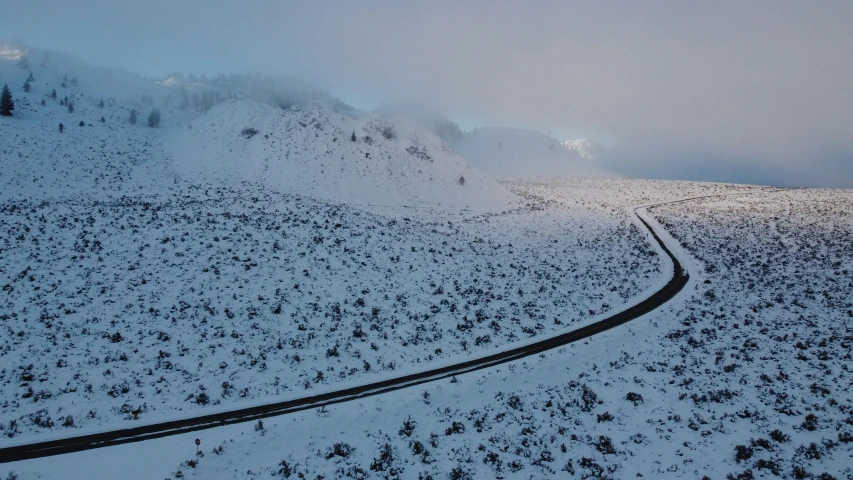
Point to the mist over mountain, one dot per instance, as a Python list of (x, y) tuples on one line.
[(350, 158), (434, 121), (75, 122), (504, 151)]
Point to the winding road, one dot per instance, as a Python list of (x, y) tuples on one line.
[(146, 432)]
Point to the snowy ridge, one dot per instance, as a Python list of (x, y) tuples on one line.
[(310, 152), (512, 152)]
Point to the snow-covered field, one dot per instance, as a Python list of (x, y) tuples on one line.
[(185, 301), (745, 374)]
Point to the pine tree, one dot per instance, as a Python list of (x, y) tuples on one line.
[(53, 94), (27, 87), (31, 78), (63, 85), (82, 123), (70, 107), (353, 136), (154, 118), (61, 127), (6, 103), (103, 120), (133, 114), (101, 104), (42, 102)]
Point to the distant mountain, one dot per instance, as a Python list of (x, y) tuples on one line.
[(512, 152), (586, 149)]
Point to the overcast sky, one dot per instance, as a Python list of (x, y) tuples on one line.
[(755, 91)]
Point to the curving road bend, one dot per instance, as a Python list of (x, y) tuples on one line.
[(146, 432)]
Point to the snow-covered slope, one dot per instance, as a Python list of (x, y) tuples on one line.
[(507, 151), (98, 150), (50, 69), (310, 151)]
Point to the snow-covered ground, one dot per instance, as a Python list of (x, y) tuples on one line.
[(184, 301), (747, 370)]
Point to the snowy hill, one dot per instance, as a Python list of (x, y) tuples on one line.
[(303, 147), (310, 151), (509, 152), (98, 148)]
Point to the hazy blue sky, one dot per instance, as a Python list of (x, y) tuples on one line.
[(725, 90)]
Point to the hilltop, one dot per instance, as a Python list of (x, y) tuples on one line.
[(312, 150)]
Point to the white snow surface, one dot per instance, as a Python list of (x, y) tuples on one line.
[(504, 151), (745, 371), (196, 299), (310, 152)]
